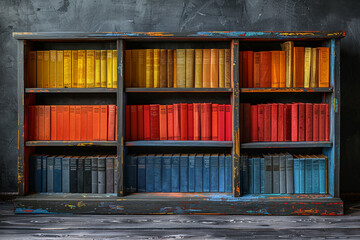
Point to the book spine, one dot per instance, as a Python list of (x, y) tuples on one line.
[(149, 68), (227, 68), (163, 68), (183, 122), (72, 122), (87, 175), (90, 68), (267, 122), (52, 123), (257, 176), (324, 66), (43, 173), (103, 68), (214, 122), (157, 173), (150, 173), (163, 123), (73, 175), (228, 123), (41, 122), (177, 120), (175, 173), (97, 68), (59, 69), (296, 175), (302, 121), (265, 69), (96, 122), (253, 123), (268, 174), (111, 123), (103, 122), (184, 173), (114, 70), (199, 173), (101, 175), (251, 175), (282, 69), (228, 173), (206, 68), (275, 69), (109, 69), (132, 165), (316, 111), (191, 173), (154, 122), (74, 69), (141, 186), (308, 122), (322, 117), (197, 122), (294, 122), (222, 173), (274, 122), (214, 173), (50, 174), (327, 126), (94, 175), (156, 68), (189, 68), (46, 69), (57, 174), (81, 71), (66, 175), (109, 174), (315, 176), (221, 122), (282, 174), (80, 175), (262, 175), (190, 123), (147, 134), (170, 68), (37, 177), (170, 122), (32, 69), (289, 174), (276, 174), (166, 173), (206, 173), (180, 71), (39, 68), (308, 175), (322, 176), (302, 175), (198, 68), (280, 123), (260, 124)]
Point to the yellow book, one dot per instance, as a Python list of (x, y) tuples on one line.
[(149, 68), (189, 68), (74, 68), (39, 69), (214, 68), (114, 64), (313, 65), (227, 68), (134, 72), (109, 67), (163, 68), (323, 70), (198, 68), (67, 68), (221, 68), (288, 47), (90, 68), (53, 69), (81, 69), (103, 69), (32, 69), (60, 69), (46, 76), (206, 68), (127, 73), (180, 71), (175, 69), (97, 68), (141, 68), (156, 68), (170, 68), (307, 67)]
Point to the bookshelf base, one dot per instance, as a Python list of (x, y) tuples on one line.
[(179, 203)]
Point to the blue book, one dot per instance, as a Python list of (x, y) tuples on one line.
[(199, 172), (166, 173), (256, 175), (308, 174), (175, 173), (157, 173), (50, 173), (206, 173), (322, 174), (289, 173), (214, 173), (251, 175), (58, 174), (150, 159), (141, 173), (132, 173), (296, 160), (315, 175), (228, 173), (221, 173), (101, 173), (192, 172), (94, 174), (38, 163), (276, 173), (66, 174), (184, 172), (302, 175), (80, 175), (262, 175), (282, 173), (268, 174), (43, 173), (87, 174)]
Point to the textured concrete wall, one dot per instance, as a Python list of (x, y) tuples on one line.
[(176, 16)]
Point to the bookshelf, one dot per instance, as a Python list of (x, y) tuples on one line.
[(122, 202)]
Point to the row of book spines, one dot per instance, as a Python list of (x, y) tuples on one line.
[(277, 122), (73, 174), (179, 173), (72, 69), (294, 67), (72, 122), (182, 121), (284, 173), (180, 68)]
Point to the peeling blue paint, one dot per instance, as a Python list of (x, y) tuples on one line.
[(35, 211)]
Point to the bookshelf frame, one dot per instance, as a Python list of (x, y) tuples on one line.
[(182, 203)]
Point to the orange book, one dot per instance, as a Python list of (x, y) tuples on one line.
[(282, 69), (84, 126), (177, 130), (170, 122), (147, 132), (214, 68), (324, 66), (103, 122), (46, 70), (197, 125), (163, 123), (206, 68), (72, 122), (36, 122), (206, 122), (275, 69), (47, 123), (59, 122), (250, 69), (52, 123), (140, 122), (41, 122), (265, 69), (66, 124), (39, 69), (256, 70), (90, 125), (111, 123), (77, 123), (183, 121), (214, 122), (96, 123), (298, 66)]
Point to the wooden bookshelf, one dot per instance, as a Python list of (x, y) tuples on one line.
[(179, 90), (70, 143), (286, 144), (179, 144), (286, 90), (70, 90)]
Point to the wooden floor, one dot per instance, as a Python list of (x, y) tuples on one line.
[(58, 226)]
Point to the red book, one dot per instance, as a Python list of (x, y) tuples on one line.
[(59, 122), (261, 122), (84, 127), (221, 122), (274, 122), (244, 64), (228, 122), (183, 122), (327, 128), (163, 123), (295, 122), (322, 116), (134, 120), (72, 122), (316, 111), (36, 123), (253, 123), (66, 123), (287, 122), (280, 123), (111, 123), (47, 123), (177, 130), (241, 122), (256, 70), (103, 122), (90, 124), (265, 69), (31, 122), (140, 122), (96, 122), (301, 122), (170, 122), (308, 122), (247, 122), (190, 116), (146, 122), (77, 123), (214, 122), (267, 122), (205, 121), (41, 122), (250, 69), (154, 122)]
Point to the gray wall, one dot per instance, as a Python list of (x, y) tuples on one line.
[(177, 16)]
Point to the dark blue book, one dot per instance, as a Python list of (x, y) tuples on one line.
[(184, 172), (262, 175), (251, 174), (157, 173), (282, 173), (206, 173), (228, 173), (43, 173), (150, 160), (66, 174), (109, 174), (322, 174), (32, 172), (38, 163), (58, 174), (221, 173), (214, 173), (73, 174), (102, 174), (50, 173), (94, 174), (141, 173), (131, 173), (80, 175), (315, 175), (308, 175), (87, 174), (289, 173), (268, 184), (257, 176), (199, 158), (302, 175), (296, 175), (166, 173), (116, 173), (276, 173), (192, 172), (175, 173)]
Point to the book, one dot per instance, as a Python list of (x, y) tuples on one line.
[(109, 174), (196, 124), (250, 69), (111, 123), (80, 175), (243, 69), (275, 69), (46, 69), (128, 76), (87, 174), (274, 122), (35, 173), (43, 173), (183, 121), (327, 127), (214, 68), (282, 69), (267, 122), (163, 123), (141, 173), (189, 68), (276, 173), (103, 122), (260, 122), (256, 69), (184, 172), (307, 63), (156, 68), (114, 70), (206, 173), (228, 173), (170, 68), (74, 69), (150, 160), (228, 123), (170, 122), (57, 183), (199, 172), (322, 120), (175, 173), (262, 179), (294, 122), (251, 175), (308, 122), (302, 174), (97, 68), (190, 122), (65, 175), (41, 128), (244, 173), (180, 71), (52, 66), (221, 68), (289, 173), (220, 121), (103, 68), (109, 68), (323, 71), (39, 69), (288, 47), (316, 117), (282, 167), (50, 173), (73, 174), (59, 122), (214, 173), (253, 123), (157, 173), (301, 121), (191, 172), (102, 174), (206, 68), (96, 123), (66, 122), (298, 67), (84, 127), (131, 177), (36, 122), (81, 63), (198, 78), (296, 161), (265, 69), (77, 123), (149, 62), (94, 174), (257, 175), (166, 173), (227, 69), (214, 122), (59, 69), (32, 69), (147, 135), (163, 68), (205, 119), (177, 120), (280, 123), (315, 175), (313, 75), (90, 68), (308, 174), (175, 70), (287, 122), (268, 174), (154, 122)]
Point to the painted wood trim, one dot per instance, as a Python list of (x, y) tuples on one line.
[(285, 90), (286, 144), (179, 143), (178, 90), (70, 90), (71, 143)]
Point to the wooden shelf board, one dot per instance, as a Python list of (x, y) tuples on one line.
[(71, 143), (182, 90), (179, 143), (285, 144), (70, 90), (285, 90)]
